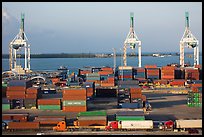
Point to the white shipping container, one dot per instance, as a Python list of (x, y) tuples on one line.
[(144, 124), (189, 123), (125, 67)]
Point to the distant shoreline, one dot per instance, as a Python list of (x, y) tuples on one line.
[(82, 55), (88, 55)]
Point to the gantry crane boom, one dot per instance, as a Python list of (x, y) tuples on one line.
[(132, 39)]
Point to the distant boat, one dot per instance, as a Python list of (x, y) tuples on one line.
[(62, 68)]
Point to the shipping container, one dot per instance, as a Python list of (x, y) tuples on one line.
[(74, 108), (6, 107), (106, 92), (189, 123), (92, 113), (129, 118), (130, 113), (143, 124), (92, 118), (49, 101), (91, 122), (23, 125), (70, 97), (130, 105), (49, 107), (74, 102)]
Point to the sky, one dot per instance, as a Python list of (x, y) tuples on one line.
[(97, 27)]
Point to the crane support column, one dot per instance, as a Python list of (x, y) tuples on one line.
[(28, 57), (139, 56), (124, 55), (10, 58), (181, 54)]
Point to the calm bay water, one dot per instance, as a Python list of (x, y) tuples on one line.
[(55, 63)]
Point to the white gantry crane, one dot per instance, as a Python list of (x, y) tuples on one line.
[(20, 41), (190, 41), (132, 39)]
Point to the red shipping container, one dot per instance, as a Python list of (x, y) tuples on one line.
[(20, 117), (196, 85), (195, 89), (33, 90), (74, 108), (69, 97), (136, 95), (16, 88), (84, 72), (107, 84), (136, 90), (8, 93), (23, 125), (105, 72), (107, 68), (49, 101), (15, 97), (125, 76), (74, 92)]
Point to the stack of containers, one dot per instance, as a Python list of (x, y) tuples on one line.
[(152, 73), (194, 98), (168, 72), (136, 96), (74, 99), (110, 82), (130, 116), (5, 104), (123, 96), (92, 77), (17, 88), (90, 88), (125, 73), (49, 104), (106, 71), (91, 118), (32, 94), (191, 73), (197, 84), (4, 88), (84, 71), (139, 73), (16, 92)]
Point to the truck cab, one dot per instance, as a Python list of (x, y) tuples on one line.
[(61, 126), (112, 126)]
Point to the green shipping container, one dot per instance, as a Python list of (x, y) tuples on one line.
[(74, 103), (123, 118), (4, 85), (49, 107), (6, 106), (92, 113)]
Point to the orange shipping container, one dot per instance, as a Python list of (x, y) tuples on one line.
[(107, 84), (23, 125), (136, 95), (15, 97), (74, 91), (49, 101), (107, 68), (136, 90), (33, 90), (74, 108), (16, 88), (68, 97), (8, 93), (105, 72)]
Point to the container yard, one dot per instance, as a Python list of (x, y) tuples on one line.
[(127, 100)]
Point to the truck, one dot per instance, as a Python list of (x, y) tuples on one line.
[(113, 125)]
